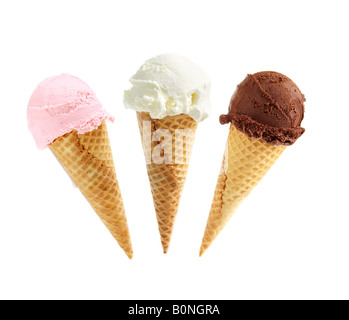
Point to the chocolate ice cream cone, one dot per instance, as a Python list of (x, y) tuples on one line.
[(245, 163), (265, 114)]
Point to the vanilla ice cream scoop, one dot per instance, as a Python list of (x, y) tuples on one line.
[(168, 85)]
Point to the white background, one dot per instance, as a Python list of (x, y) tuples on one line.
[(290, 238)]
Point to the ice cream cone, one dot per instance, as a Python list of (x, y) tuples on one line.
[(87, 158), (171, 95), (167, 173), (245, 163)]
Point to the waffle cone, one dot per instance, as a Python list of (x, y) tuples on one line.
[(167, 172), (88, 160), (245, 163)]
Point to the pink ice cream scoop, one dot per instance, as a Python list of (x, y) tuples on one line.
[(61, 104)]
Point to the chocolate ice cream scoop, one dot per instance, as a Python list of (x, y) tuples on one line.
[(269, 106)]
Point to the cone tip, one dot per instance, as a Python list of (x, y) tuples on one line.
[(129, 254), (202, 251), (203, 248)]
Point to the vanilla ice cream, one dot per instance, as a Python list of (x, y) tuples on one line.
[(168, 85)]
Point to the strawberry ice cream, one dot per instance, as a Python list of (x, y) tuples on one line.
[(65, 115), (61, 104)]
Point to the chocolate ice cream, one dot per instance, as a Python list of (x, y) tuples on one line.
[(269, 106)]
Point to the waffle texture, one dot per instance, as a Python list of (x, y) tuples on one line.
[(167, 164), (245, 163), (88, 160)]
